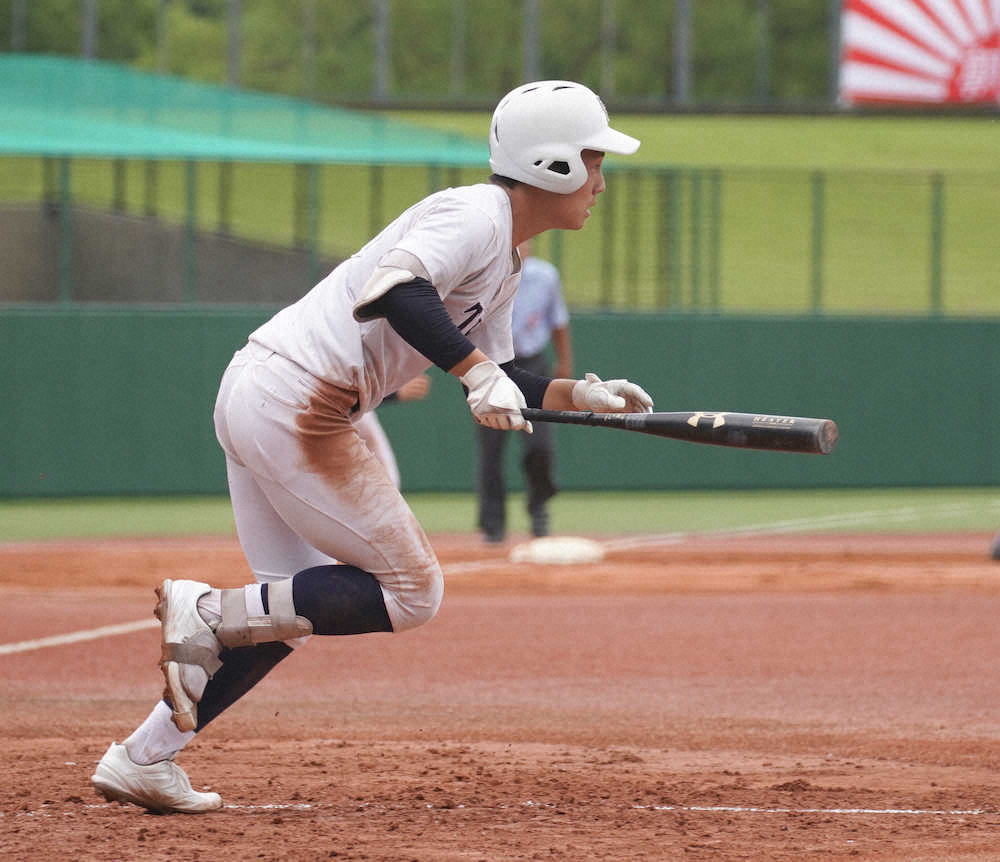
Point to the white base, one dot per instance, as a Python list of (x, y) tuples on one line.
[(558, 550)]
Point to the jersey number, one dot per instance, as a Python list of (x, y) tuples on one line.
[(475, 313)]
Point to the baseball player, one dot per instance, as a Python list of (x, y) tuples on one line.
[(332, 544)]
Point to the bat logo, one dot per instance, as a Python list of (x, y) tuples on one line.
[(718, 419), (765, 421)]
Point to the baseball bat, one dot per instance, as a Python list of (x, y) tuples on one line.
[(740, 430)]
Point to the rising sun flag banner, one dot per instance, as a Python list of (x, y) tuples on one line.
[(920, 51)]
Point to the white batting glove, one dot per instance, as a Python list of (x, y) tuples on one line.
[(610, 396), (494, 398)]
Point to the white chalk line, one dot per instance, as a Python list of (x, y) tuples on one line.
[(77, 637), (898, 515), (752, 809), (791, 525), (682, 809)]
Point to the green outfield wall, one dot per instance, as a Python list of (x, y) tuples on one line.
[(119, 401)]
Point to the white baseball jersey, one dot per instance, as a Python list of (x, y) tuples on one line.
[(461, 240)]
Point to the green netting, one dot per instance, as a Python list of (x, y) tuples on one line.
[(63, 107)]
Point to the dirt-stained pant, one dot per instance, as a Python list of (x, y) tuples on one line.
[(306, 490)]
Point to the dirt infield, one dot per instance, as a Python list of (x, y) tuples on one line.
[(720, 698)]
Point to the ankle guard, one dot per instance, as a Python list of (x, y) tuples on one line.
[(237, 629)]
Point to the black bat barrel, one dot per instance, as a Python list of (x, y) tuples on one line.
[(738, 430), (746, 431)]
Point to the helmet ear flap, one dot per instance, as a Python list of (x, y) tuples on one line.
[(565, 168), (554, 167)]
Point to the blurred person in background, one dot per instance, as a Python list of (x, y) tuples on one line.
[(539, 318)]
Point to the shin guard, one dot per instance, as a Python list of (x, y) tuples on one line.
[(238, 629)]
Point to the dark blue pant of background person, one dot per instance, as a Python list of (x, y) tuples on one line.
[(537, 462)]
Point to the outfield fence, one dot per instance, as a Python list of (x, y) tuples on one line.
[(116, 400), (700, 240)]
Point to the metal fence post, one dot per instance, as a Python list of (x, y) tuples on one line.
[(456, 76), (609, 45), (818, 185), (300, 206), (715, 241), (89, 30), (557, 249), (530, 41), (118, 185), (696, 238), (314, 204), (683, 66), (190, 286), (149, 191), (162, 38), (225, 197), (308, 49), (382, 72), (234, 42), (632, 213), (18, 25), (762, 64), (668, 251), (50, 188), (608, 249), (833, 82), (937, 243), (433, 177), (375, 186), (65, 265)]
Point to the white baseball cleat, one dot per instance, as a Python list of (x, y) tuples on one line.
[(189, 650), (162, 787)]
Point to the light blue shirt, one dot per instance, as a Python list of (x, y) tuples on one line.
[(538, 307)]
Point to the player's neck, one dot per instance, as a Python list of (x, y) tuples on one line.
[(532, 213)]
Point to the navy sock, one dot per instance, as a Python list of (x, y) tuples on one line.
[(340, 600), (242, 668)]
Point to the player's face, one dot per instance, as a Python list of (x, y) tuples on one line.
[(574, 209)]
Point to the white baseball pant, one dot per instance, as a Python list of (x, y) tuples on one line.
[(307, 491)]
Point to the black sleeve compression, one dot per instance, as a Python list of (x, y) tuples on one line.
[(415, 311), (532, 386)]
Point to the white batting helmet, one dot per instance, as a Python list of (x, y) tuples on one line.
[(539, 130)]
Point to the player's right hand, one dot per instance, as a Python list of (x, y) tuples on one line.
[(610, 396), (494, 399)]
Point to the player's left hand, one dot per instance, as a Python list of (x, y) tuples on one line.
[(610, 396), (494, 399)]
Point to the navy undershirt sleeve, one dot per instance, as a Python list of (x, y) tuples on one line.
[(532, 386), (415, 311)]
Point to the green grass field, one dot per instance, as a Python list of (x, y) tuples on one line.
[(577, 513)]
